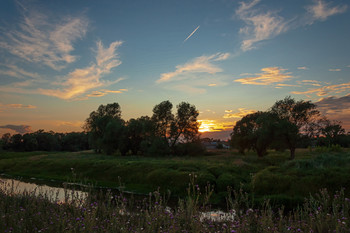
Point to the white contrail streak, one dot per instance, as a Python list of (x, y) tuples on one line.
[(191, 33)]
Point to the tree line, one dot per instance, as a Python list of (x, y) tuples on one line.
[(288, 124), (45, 141), (162, 134)]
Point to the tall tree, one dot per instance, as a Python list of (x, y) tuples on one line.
[(96, 124), (163, 117), (294, 118), (184, 125)]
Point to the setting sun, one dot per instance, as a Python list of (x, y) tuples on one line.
[(213, 126)]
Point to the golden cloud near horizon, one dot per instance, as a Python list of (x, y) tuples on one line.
[(214, 126)]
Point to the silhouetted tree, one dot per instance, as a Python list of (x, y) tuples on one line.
[(163, 118), (184, 125), (294, 118), (254, 131), (96, 124)]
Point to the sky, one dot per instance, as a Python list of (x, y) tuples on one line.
[(60, 60)]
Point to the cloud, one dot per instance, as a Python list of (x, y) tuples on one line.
[(105, 92), (334, 70), (39, 39), (281, 85), (191, 34), (82, 80), (15, 106), (96, 94), (269, 75), (22, 129), (202, 64), (310, 82), (326, 90), (336, 108), (303, 68), (17, 72), (241, 113), (195, 76), (321, 10), (260, 26)]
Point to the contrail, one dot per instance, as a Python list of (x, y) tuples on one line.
[(191, 33)]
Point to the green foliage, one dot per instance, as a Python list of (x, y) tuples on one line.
[(254, 131), (116, 212), (189, 149), (226, 180), (331, 148)]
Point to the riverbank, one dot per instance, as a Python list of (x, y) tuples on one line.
[(274, 176), (28, 212)]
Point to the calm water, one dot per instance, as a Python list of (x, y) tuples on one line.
[(54, 194)]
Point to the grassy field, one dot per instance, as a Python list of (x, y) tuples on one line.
[(30, 212), (274, 176)]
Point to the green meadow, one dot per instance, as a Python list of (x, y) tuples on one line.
[(275, 177)]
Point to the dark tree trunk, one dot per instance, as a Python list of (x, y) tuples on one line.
[(292, 153)]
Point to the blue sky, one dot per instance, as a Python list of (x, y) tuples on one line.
[(59, 60)]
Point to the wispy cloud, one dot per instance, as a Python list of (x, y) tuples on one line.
[(269, 75), (37, 39), (321, 10), (310, 82), (326, 90), (260, 26), (21, 129), (15, 106), (334, 70), (17, 72), (303, 68), (105, 92), (238, 114), (281, 85), (82, 80), (191, 34), (202, 64)]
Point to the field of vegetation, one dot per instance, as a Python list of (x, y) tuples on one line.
[(323, 211), (274, 176)]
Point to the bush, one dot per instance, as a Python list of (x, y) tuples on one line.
[(190, 149), (268, 182), (225, 180)]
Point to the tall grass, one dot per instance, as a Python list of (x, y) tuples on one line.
[(27, 212)]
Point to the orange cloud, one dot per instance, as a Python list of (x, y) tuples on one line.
[(326, 90), (16, 106), (269, 75), (241, 113), (310, 82), (80, 81)]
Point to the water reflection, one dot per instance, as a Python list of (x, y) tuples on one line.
[(54, 194)]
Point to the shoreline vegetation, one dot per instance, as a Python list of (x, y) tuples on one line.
[(29, 212), (275, 177)]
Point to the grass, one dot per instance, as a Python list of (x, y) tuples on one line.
[(274, 176), (26, 212)]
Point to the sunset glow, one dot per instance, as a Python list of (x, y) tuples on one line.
[(60, 60)]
